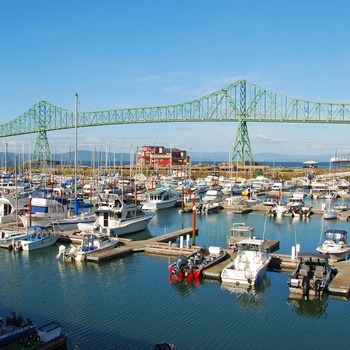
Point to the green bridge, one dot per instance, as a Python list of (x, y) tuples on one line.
[(240, 102)]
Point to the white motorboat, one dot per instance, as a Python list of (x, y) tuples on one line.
[(334, 245), (160, 198), (96, 240), (330, 215), (279, 209), (295, 203), (250, 265), (119, 215), (38, 237), (46, 205), (70, 223), (213, 196)]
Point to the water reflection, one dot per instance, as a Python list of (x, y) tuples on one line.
[(309, 307), (248, 296), (183, 287)]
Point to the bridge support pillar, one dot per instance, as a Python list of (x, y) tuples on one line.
[(241, 149), (42, 152)]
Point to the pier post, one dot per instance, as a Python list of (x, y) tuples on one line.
[(293, 253), (181, 242), (188, 241), (194, 216)]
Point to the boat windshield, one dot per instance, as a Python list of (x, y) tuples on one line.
[(335, 235)]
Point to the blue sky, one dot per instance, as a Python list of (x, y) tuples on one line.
[(137, 53)]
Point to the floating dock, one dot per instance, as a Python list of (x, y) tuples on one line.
[(127, 246)]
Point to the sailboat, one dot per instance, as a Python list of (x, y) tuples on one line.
[(71, 222)]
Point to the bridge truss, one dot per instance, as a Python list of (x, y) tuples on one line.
[(240, 102)]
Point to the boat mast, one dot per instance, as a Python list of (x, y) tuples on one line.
[(76, 144)]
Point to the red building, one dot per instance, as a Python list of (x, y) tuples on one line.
[(161, 156)]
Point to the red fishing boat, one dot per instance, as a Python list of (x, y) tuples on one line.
[(191, 266)]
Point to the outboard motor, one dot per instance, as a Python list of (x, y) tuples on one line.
[(318, 287), (181, 262), (14, 319), (190, 268), (306, 286)]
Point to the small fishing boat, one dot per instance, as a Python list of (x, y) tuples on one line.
[(38, 237), (334, 245), (250, 264), (209, 208), (312, 275), (330, 215), (193, 265), (17, 333), (94, 241)]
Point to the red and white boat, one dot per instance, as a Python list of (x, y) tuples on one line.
[(191, 266)]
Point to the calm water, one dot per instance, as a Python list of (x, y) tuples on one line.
[(129, 304)]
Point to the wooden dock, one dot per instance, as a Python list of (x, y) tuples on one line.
[(340, 285), (128, 246)]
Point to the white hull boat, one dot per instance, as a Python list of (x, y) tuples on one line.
[(38, 237), (161, 198), (334, 245), (250, 265), (119, 216), (93, 241)]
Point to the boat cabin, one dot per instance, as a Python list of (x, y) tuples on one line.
[(238, 232), (336, 236)]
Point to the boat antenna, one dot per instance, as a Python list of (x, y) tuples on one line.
[(265, 226)]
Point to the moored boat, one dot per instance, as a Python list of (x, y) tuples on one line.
[(192, 266), (335, 245), (312, 275), (17, 333), (119, 215), (94, 241), (250, 264), (330, 215), (160, 198), (38, 237)]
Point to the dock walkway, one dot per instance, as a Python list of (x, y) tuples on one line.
[(127, 246)]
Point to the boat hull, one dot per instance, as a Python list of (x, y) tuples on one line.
[(238, 277), (39, 244), (132, 226)]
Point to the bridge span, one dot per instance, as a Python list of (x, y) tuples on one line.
[(241, 102)]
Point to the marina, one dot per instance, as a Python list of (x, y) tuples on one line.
[(140, 263)]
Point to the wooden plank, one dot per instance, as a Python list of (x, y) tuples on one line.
[(341, 282)]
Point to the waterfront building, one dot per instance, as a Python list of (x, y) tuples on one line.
[(161, 156)]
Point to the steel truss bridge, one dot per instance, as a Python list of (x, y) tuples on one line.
[(240, 102)]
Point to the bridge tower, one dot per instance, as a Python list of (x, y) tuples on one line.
[(241, 149), (42, 152)]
